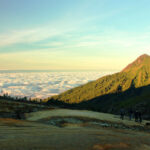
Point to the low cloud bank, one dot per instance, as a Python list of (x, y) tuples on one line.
[(43, 84)]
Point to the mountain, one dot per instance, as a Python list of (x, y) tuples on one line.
[(140, 62), (110, 92)]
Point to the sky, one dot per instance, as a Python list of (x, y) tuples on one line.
[(73, 34)]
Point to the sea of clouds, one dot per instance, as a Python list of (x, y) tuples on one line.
[(43, 84)]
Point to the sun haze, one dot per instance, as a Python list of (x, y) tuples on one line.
[(72, 35)]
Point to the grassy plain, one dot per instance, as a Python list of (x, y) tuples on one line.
[(88, 134)]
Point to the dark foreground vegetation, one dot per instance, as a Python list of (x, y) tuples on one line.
[(12, 107)]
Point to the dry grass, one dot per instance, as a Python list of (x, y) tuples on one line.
[(37, 136), (119, 146), (29, 135)]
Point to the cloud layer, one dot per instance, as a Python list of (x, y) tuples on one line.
[(43, 84)]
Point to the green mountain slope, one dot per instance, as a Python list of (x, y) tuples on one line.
[(135, 75)]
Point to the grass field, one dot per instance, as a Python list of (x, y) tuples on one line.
[(74, 135)]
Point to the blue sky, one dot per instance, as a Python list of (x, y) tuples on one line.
[(73, 34)]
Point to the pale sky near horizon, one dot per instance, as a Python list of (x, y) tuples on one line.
[(73, 34)]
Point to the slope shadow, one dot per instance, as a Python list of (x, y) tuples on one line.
[(136, 98)]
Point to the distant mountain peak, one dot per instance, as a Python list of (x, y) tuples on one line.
[(140, 61), (144, 55)]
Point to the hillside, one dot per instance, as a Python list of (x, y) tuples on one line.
[(126, 88)]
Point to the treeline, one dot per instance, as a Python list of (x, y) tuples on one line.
[(21, 99)]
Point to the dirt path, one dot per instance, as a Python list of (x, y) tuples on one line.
[(35, 116)]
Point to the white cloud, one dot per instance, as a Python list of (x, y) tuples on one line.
[(44, 84)]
